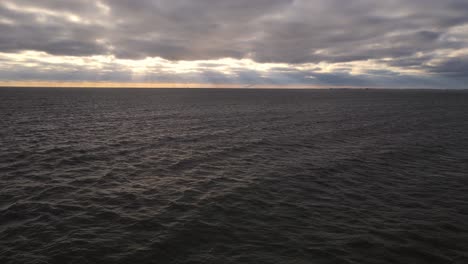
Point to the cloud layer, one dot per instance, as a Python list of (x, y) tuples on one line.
[(319, 42)]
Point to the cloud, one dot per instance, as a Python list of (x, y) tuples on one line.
[(451, 67), (404, 38)]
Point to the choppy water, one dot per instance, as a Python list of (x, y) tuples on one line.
[(233, 176)]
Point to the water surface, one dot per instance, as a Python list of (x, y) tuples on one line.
[(233, 176)]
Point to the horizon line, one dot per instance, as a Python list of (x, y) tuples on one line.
[(148, 85), (153, 85)]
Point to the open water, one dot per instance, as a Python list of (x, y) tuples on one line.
[(233, 176)]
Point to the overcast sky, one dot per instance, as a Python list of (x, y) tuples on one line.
[(364, 43)]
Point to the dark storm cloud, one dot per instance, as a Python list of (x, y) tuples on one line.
[(405, 34)]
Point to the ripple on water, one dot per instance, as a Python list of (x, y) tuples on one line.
[(209, 176)]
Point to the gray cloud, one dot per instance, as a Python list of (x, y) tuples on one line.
[(452, 67), (404, 34)]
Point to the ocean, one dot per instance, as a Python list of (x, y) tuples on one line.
[(233, 176)]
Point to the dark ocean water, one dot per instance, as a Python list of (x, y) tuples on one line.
[(233, 176)]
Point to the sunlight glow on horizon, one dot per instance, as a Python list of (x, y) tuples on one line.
[(68, 84), (154, 71)]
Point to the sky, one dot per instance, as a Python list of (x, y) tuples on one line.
[(235, 43)]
